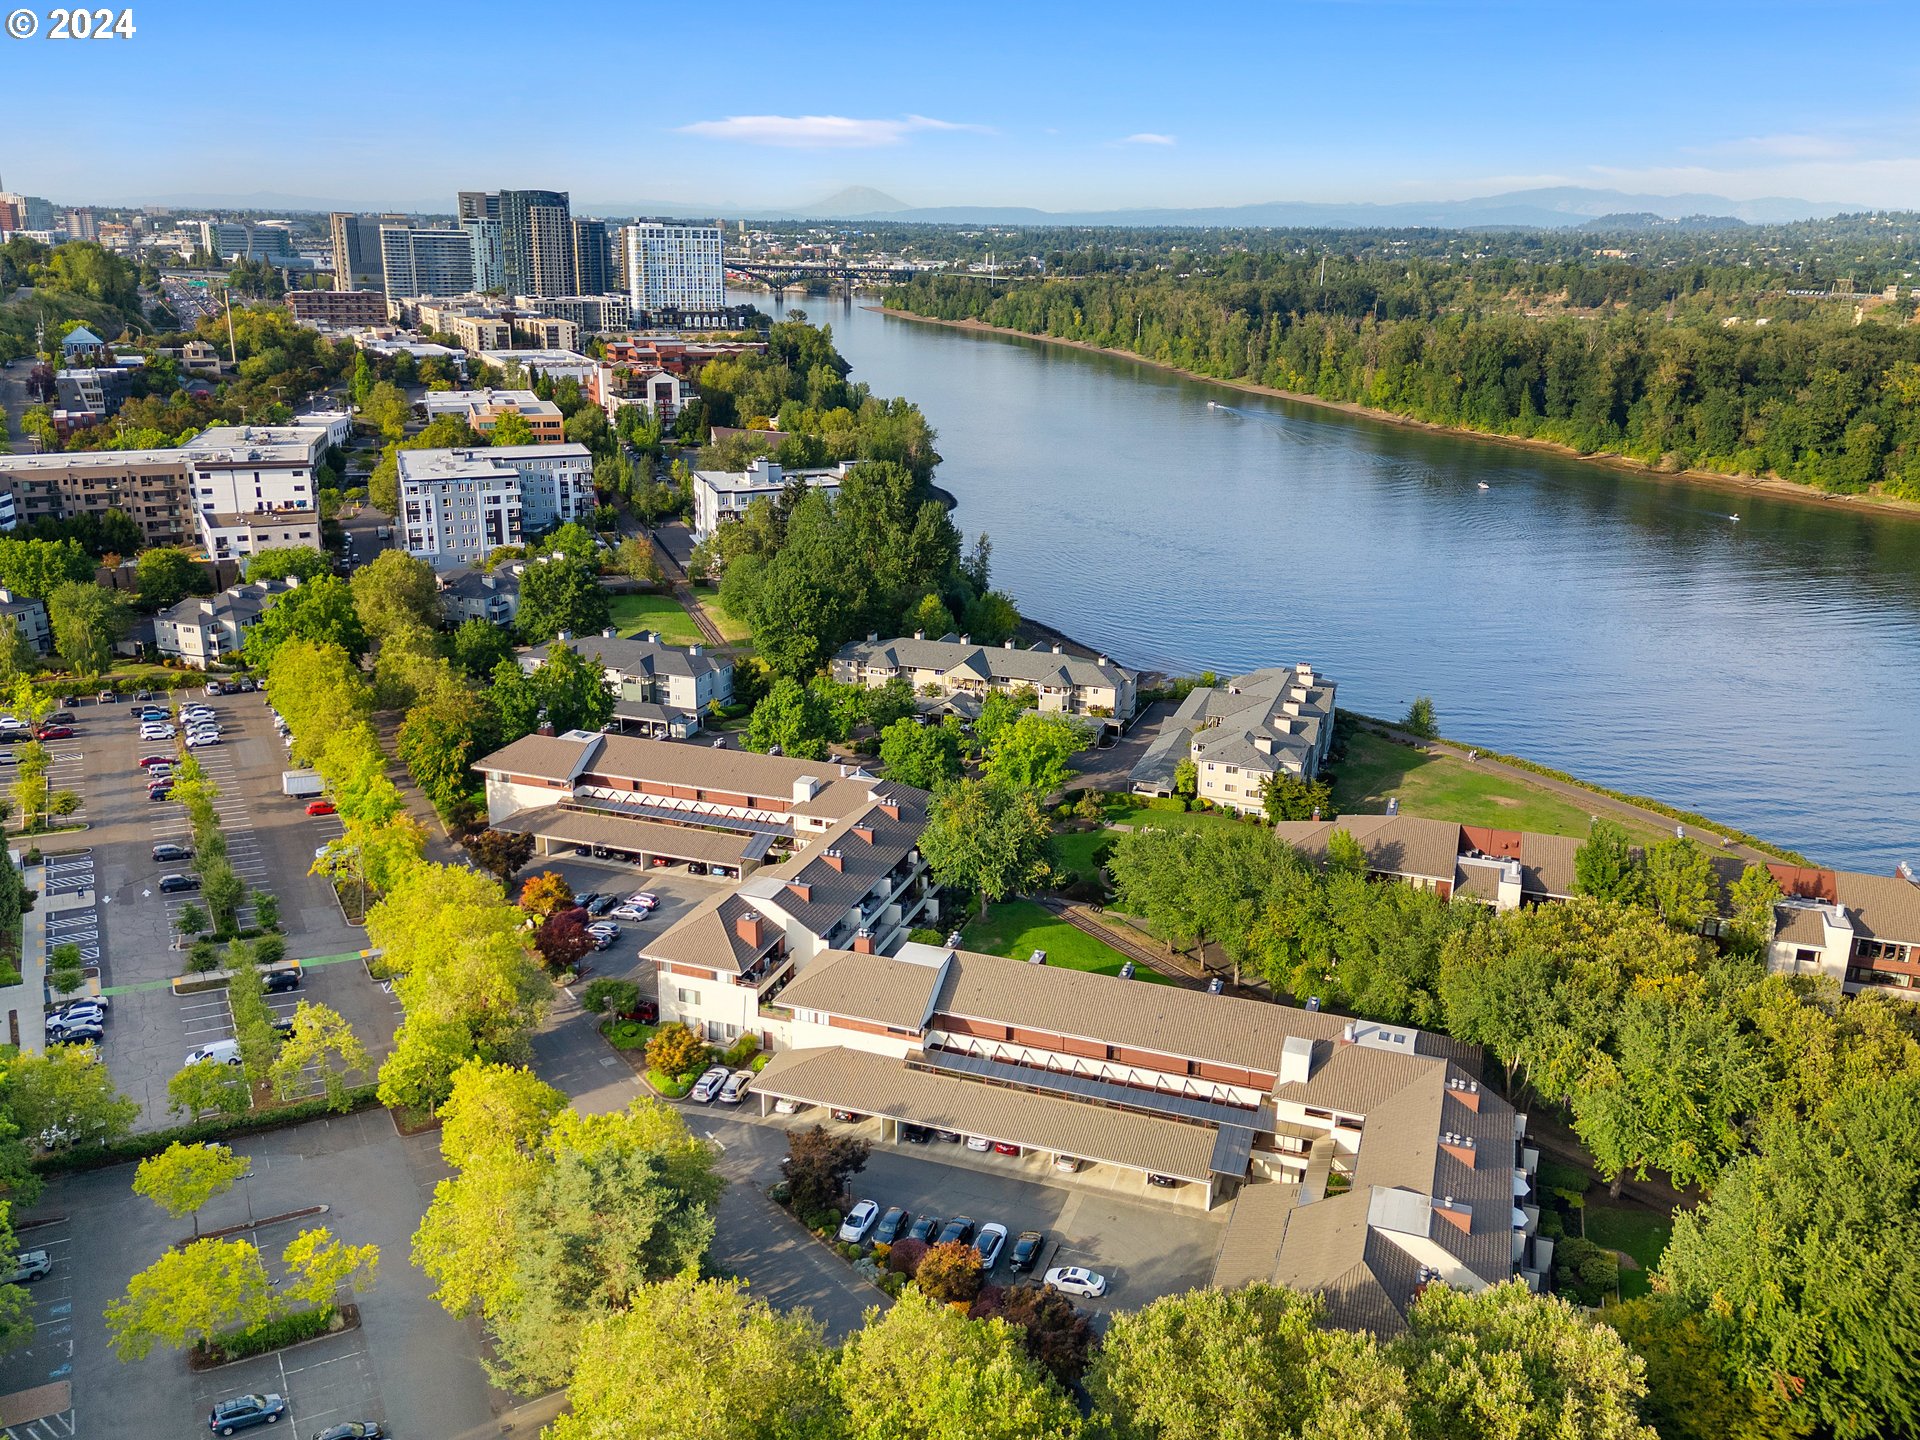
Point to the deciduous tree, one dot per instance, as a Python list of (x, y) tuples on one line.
[(820, 1162), (556, 595), (182, 1178), (924, 756), (322, 1043), (188, 1296), (988, 837), (1607, 867), (1035, 752), (87, 622), (500, 854), (950, 1272), (396, 592), (1681, 880), (545, 893), (67, 1098)]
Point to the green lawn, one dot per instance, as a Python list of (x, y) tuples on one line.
[(1076, 853), (1639, 1233), (1137, 810), (633, 613), (1374, 769), (1017, 928), (734, 629)]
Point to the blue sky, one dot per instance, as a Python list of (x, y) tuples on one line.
[(1059, 106)]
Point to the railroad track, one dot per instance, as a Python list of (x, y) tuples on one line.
[(1084, 919)]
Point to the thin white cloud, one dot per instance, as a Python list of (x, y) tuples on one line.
[(1783, 147), (1147, 137), (821, 132)]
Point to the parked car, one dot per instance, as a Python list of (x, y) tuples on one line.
[(170, 851), (107, 697), (76, 1035), (735, 1090), (991, 1240), (787, 1107), (6, 757), (952, 1137), (214, 687), (1066, 1164), (353, 1430), (160, 791), (220, 1052), (891, 1225), (278, 982), (645, 899), (56, 732), (151, 733), (604, 927), (170, 884), (243, 1412), (708, 1085), (1001, 1147), (320, 807), (957, 1231), (631, 913), (30, 1265), (860, 1219), (199, 739), (1027, 1246), (925, 1229), (147, 762), (76, 1016), (979, 1143), (915, 1134), (11, 723), (1077, 1280), (846, 1116), (584, 900), (1164, 1182), (602, 904)]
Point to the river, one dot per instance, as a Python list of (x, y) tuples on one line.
[(1764, 671)]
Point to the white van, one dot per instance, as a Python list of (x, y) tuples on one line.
[(220, 1052)]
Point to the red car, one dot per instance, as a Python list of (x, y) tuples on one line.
[(56, 732), (1000, 1147), (147, 762), (320, 807)]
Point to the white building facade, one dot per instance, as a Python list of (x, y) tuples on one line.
[(671, 265), (456, 506), (425, 262)]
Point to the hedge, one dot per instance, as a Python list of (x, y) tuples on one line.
[(275, 1334), (152, 1142)]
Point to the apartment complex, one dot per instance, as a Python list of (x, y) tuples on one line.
[(480, 595), (482, 409), (154, 487), (255, 487), (594, 269), (589, 313), (954, 665), (425, 262), (554, 364), (1276, 721), (536, 242), (333, 308), (29, 617), (205, 630), (356, 248), (457, 505), (489, 258), (661, 691), (720, 496), (673, 265), (661, 393)]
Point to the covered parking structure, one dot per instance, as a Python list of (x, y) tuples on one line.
[(899, 1092), (727, 854)]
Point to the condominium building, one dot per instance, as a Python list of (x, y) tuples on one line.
[(536, 242), (482, 409), (659, 690), (489, 264), (228, 241), (153, 487), (479, 205), (82, 223), (1277, 721), (545, 332), (492, 596), (332, 308), (356, 250), (593, 267), (672, 265), (660, 393), (456, 506), (29, 619), (721, 496), (556, 482), (204, 630), (554, 364), (425, 262), (954, 665), (590, 313), (255, 487)]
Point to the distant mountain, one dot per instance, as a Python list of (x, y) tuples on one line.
[(1553, 209), (1647, 220), (857, 202)]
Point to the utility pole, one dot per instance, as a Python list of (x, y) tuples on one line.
[(233, 350)]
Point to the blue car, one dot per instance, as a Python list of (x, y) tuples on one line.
[(243, 1412)]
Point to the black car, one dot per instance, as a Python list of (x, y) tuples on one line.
[(585, 902), (1027, 1246), (915, 1134), (952, 1137), (1164, 1182), (171, 883), (76, 1035), (159, 792), (957, 1231), (602, 904), (243, 1412), (891, 1225), (924, 1229), (172, 852), (353, 1430), (276, 981)]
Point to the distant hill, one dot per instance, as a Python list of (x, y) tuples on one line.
[(857, 202), (1647, 220)]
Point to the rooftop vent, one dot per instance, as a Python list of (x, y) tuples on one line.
[(608, 633), (953, 940), (1039, 957)]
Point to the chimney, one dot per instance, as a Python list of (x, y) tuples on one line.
[(694, 651), (747, 927), (1006, 644), (890, 809), (873, 637), (802, 889), (564, 636), (1296, 1060), (1058, 651), (1101, 662), (966, 639), (1467, 1092), (865, 832), (1460, 1147), (836, 860), (1347, 1033), (545, 727), (919, 634), (863, 942), (1456, 1213)]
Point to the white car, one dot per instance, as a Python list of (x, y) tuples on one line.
[(1077, 1280), (735, 1090), (787, 1107), (860, 1219), (12, 722), (991, 1240), (220, 1052), (708, 1085), (156, 732), (200, 738), (979, 1143), (645, 900)]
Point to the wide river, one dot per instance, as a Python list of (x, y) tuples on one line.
[(1765, 672)]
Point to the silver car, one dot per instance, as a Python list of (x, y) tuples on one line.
[(708, 1085), (735, 1090)]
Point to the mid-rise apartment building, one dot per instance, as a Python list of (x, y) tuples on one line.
[(554, 364), (206, 630), (1276, 721), (456, 506), (670, 265), (588, 313), (482, 409), (954, 665), (29, 619), (661, 393), (256, 487), (337, 307), (556, 482), (153, 487), (659, 690), (722, 496), (425, 262)]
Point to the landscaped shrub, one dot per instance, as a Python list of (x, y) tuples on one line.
[(742, 1050), (274, 1334), (266, 910), (1585, 1270), (269, 950), (950, 1273), (608, 996), (204, 956), (626, 1034), (152, 1142), (781, 1193), (905, 1257)]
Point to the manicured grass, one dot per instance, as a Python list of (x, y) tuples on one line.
[(1017, 928), (633, 613), (1137, 811), (734, 629), (1638, 1233), (1440, 786), (1076, 849)]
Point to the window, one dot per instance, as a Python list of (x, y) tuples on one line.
[(686, 997)]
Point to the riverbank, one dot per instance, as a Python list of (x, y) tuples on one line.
[(1771, 486)]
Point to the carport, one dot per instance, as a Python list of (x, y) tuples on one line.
[(728, 855), (898, 1092)]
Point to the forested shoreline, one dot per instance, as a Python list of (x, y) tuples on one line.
[(1811, 397)]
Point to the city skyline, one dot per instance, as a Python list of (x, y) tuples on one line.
[(1023, 110)]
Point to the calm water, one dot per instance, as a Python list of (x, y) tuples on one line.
[(1766, 672)]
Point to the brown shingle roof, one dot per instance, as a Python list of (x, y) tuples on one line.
[(708, 937), (867, 987), (872, 1084), (1884, 907), (545, 757), (642, 837), (1395, 844)]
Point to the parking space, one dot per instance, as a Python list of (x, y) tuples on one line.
[(677, 891), (38, 1376), (325, 1382)]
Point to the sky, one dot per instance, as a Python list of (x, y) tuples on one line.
[(1060, 106)]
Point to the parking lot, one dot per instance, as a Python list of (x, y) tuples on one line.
[(677, 890), (410, 1366), (270, 841)]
